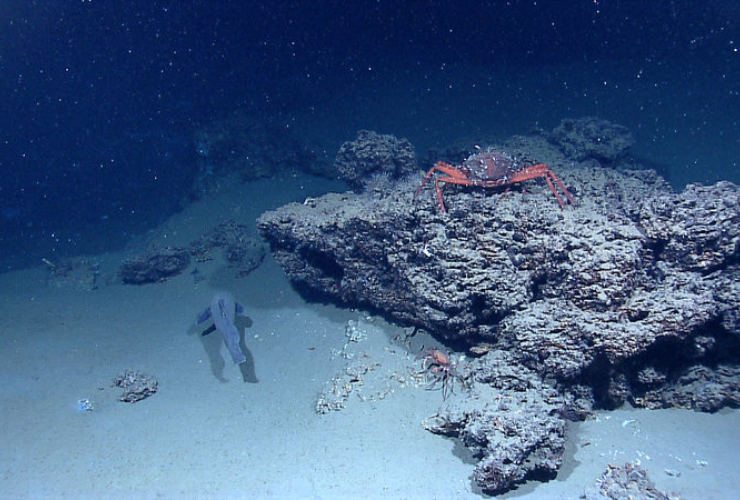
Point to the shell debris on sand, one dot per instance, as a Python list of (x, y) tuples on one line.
[(372, 372)]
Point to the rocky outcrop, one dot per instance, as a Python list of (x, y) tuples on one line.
[(373, 160), (154, 265), (632, 270), (627, 481), (630, 296), (698, 230), (511, 418), (240, 249), (591, 137), (243, 146), (460, 274)]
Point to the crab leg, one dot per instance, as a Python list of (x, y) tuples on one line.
[(440, 166), (560, 184), (552, 188), (454, 177), (451, 180), (437, 377), (542, 170)]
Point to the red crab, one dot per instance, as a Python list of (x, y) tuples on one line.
[(492, 169), (439, 368)]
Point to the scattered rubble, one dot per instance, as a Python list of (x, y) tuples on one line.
[(137, 386), (362, 373), (627, 481)]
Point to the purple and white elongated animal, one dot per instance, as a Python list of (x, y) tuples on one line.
[(223, 310)]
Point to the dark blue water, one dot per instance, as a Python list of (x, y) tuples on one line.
[(101, 98)]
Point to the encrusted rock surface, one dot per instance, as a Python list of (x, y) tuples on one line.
[(242, 250), (698, 388), (247, 146), (372, 156), (460, 274), (697, 230), (509, 417), (726, 289), (591, 137), (630, 296), (628, 481), (154, 265), (136, 386)]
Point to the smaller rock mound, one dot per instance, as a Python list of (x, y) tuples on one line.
[(374, 158), (592, 138)]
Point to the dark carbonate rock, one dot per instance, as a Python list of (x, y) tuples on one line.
[(630, 296), (241, 249), (136, 386), (154, 265), (592, 138), (510, 418), (629, 481), (373, 159)]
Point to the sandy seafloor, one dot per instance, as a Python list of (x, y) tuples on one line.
[(209, 433)]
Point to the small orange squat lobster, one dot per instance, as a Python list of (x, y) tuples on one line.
[(439, 368)]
